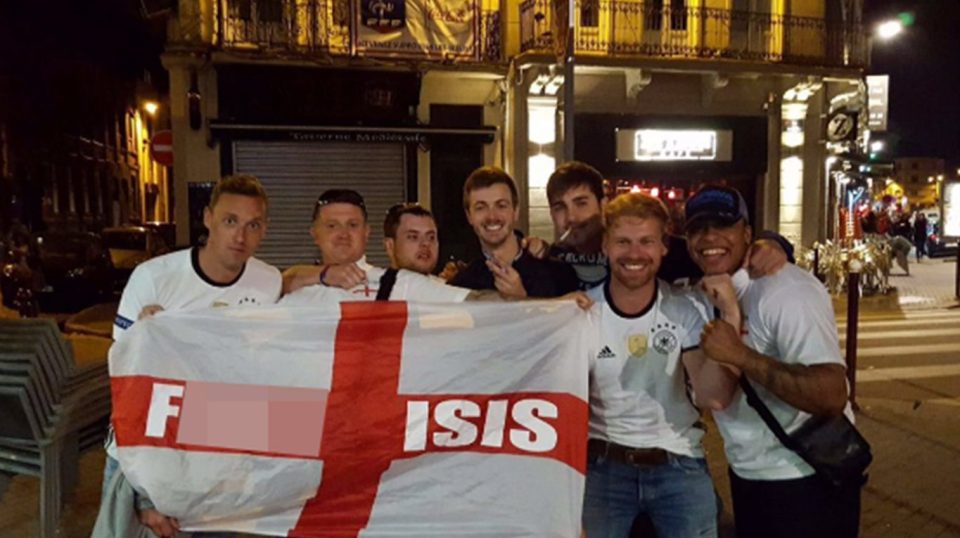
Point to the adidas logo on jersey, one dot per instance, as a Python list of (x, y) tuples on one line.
[(605, 353)]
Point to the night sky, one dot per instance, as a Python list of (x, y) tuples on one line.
[(924, 68)]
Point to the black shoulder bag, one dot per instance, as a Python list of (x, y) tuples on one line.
[(387, 281), (831, 445)]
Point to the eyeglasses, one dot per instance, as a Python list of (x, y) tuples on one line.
[(400, 208), (342, 196)]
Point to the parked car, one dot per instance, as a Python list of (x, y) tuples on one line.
[(130, 246), (167, 231), (938, 245), (75, 271)]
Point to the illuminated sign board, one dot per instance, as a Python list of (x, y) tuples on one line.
[(951, 210), (878, 90), (673, 145)]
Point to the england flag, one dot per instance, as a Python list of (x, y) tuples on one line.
[(359, 419)]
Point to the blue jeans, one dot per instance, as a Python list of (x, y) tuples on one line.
[(110, 468), (678, 496)]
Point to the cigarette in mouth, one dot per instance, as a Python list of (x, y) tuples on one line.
[(565, 235)]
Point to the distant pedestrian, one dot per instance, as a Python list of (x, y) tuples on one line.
[(868, 223), (920, 234), (903, 228), (900, 248)]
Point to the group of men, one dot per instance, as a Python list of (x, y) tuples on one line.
[(665, 353)]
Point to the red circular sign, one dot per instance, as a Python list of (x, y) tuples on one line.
[(161, 148)]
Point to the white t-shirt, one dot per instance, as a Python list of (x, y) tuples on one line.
[(175, 282), (638, 387), (788, 316), (409, 286)]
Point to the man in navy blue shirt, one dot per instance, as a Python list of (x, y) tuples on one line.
[(491, 203)]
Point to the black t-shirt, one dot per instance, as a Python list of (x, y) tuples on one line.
[(541, 278)]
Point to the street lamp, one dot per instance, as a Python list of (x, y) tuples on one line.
[(876, 146), (151, 107), (889, 29)]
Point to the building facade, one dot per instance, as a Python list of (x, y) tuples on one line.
[(920, 179), (399, 100), (673, 94), (73, 129), (402, 99)]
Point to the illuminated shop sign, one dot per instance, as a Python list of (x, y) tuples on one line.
[(951, 210), (673, 145)]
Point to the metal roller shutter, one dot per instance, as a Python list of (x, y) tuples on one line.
[(295, 173)]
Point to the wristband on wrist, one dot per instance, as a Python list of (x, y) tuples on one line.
[(323, 274)]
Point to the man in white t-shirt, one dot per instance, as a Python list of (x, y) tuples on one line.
[(340, 230), (790, 355), (223, 272), (645, 454)]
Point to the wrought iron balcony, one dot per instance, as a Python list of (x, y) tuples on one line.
[(305, 28), (634, 28)]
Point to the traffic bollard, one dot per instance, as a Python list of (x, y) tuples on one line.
[(853, 313)]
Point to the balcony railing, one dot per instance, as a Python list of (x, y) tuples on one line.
[(632, 28), (304, 28), (285, 26)]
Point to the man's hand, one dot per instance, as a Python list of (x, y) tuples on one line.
[(765, 257), (582, 299), (719, 289), (537, 247), (721, 342), (161, 525), (149, 311), (344, 276), (451, 269), (507, 280)]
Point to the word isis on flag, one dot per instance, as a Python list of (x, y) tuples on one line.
[(359, 419)]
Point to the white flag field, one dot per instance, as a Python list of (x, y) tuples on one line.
[(359, 419)]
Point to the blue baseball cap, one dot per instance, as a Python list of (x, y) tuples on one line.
[(718, 204)]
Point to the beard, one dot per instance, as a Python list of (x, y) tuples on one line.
[(585, 237)]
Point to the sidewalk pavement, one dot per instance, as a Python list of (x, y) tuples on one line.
[(930, 284), (914, 429)]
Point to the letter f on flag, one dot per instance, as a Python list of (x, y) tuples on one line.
[(161, 409)]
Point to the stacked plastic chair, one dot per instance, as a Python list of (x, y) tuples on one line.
[(51, 409)]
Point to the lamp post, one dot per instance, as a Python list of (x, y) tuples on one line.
[(568, 85)]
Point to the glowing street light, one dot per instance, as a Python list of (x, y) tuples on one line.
[(151, 107), (876, 146), (889, 29)]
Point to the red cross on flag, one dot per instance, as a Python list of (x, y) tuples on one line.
[(359, 419)]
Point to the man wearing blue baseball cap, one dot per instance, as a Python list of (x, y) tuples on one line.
[(787, 350)]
